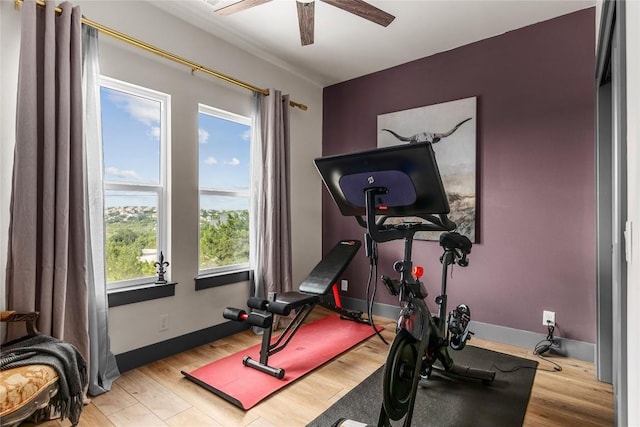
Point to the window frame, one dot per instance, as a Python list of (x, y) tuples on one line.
[(204, 191), (160, 189)]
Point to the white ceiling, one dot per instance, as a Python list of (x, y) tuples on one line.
[(347, 46)]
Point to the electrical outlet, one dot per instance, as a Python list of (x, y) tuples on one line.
[(344, 285), (548, 317), (163, 324)]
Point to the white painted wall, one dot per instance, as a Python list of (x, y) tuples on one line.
[(9, 50), (633, 209), (134, 326), (633, 205)]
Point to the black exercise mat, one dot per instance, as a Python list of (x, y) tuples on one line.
[(447, 401)]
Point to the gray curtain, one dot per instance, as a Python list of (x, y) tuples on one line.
[(46, 262), (103, 369), (270, 208)]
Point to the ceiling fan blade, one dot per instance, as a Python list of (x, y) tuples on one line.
[(306, 13), (239, 6), (364, 10)]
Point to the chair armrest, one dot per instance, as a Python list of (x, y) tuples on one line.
[(28, 317)]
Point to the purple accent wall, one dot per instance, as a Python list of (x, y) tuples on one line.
[(535, 247)]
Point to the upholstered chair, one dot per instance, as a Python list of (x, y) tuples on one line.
[(26, 389)]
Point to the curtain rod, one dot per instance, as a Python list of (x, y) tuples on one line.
[(168, 55)]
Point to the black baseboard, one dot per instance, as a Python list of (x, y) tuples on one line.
[(151, 353)]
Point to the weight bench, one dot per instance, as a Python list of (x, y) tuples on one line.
[(318, 283)]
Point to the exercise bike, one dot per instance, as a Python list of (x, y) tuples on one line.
[(404, 181), (421, 339)]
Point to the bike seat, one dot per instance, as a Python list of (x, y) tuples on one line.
[(453, 240)]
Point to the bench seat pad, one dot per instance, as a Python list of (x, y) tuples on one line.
[(297, 299)]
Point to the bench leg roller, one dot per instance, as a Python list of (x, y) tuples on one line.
[(254, 319), (258, 303), (234, 314), (260, 320)]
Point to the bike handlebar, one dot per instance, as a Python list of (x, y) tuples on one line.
[(380, 232)]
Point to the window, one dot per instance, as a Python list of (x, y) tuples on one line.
[(134, 137), (224, 176)]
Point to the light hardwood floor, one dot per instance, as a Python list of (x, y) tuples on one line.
[(158, 395)]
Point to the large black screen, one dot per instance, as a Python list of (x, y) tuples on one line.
[(408, 173)]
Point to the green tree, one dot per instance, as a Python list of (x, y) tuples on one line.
[(124, 244), (224, 238)]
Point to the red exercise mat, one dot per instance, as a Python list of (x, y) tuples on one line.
[(313, 345)]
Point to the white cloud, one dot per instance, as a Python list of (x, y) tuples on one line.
[(144, 110), (155, 132), (203, 136), (246, 135), (233, 162), (121, 173), (211, 161)]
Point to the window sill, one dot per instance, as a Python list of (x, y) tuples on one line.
[(140, 293), (222, 279)]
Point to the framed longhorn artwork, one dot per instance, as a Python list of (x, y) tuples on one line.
[(450, 127)]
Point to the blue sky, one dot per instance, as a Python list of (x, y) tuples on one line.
[(131, 141), (131, 137), (224, 153)]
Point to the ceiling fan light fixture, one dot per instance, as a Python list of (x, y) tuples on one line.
[(306, 12)]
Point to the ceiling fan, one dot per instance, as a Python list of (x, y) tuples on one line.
[(306, 13)]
